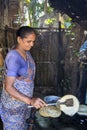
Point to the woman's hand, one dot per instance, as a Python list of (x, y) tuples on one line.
[(37, 103)]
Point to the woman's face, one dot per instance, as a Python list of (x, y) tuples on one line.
[(28, 42)]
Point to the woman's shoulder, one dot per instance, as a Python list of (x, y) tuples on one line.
[(12, 53)]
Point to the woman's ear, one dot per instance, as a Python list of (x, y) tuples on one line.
[(19, 39)]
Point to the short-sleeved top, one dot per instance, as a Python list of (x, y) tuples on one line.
[(16, 65)]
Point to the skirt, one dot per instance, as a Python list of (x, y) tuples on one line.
[(13, 112)]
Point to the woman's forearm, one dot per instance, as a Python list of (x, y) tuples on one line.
[(17, 95)]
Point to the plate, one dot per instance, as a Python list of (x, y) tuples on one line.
[(82, 110), (82, 113)]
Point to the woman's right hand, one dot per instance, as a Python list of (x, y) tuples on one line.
[(37, 103)]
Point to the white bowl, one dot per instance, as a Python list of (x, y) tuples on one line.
[(51, 99)]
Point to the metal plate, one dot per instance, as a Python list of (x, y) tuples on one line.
[(82, 110)]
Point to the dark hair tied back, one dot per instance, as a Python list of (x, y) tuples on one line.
[(24, 30)]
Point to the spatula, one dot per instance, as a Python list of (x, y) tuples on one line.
[(68, 103)]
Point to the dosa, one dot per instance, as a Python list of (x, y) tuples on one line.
[(69, 110)]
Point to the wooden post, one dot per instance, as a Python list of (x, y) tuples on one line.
[(60, 76), (6, 41)]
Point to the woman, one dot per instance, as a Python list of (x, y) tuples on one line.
[(19, 82)]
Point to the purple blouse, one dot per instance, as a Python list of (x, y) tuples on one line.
[(17, 66)]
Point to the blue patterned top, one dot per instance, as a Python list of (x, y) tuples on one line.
[(17, 66)]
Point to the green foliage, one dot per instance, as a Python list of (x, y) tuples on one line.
[(49, 9), (50, 21), (75, 53), (35, 10), (68, 23), (27, 1)]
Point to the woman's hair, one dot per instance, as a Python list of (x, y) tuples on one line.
[(24, 30)]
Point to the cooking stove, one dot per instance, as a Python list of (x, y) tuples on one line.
[(64, 122)]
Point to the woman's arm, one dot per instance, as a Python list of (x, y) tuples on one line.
[(36, 102), (9, 81)]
